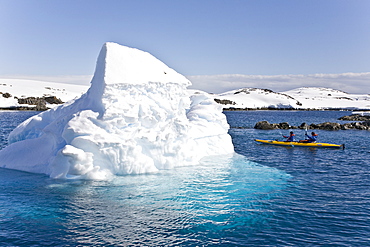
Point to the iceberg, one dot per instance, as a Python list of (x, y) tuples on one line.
[(136, 117)]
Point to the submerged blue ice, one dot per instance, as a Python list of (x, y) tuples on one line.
[(181, 206)]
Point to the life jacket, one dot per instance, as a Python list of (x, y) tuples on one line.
[(290, 138)]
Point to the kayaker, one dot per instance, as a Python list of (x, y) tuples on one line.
[(310, 139), (290, 138)]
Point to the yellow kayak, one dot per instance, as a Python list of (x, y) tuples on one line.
[(301, 144)]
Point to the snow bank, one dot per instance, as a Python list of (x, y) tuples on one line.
[(22, 88), (137, 117), (256, 98), (300, 98), (326, 98)]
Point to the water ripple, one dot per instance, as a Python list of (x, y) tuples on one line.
[(277, 197)]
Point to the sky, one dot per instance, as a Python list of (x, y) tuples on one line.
[(219, 45)]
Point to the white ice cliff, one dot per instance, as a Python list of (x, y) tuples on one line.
[(137, 117)]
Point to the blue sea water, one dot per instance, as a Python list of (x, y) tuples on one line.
[(262, 196)]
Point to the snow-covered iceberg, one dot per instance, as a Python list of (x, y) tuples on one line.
[(137, 117)]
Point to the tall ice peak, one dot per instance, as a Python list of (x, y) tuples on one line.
[(119, 64)]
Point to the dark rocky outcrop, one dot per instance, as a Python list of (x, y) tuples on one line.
[(6, 95), (355, 117), (365, 125), (53, 100), (265, 125), (31, 101), (39, 103), (357, 125), (326, 126), (225, 102), (36, 103)]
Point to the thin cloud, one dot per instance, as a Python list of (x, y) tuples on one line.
[(347, 82), (357, 83)]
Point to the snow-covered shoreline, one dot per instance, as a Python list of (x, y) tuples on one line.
[(12, 90), (306, 98)]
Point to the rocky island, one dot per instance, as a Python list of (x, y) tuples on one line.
[(364, 125)]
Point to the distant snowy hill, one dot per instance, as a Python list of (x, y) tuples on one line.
[(13, 89), (255, 98), (326, 98), (300, 98)]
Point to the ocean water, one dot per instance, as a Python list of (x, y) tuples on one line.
[(262, 196)]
